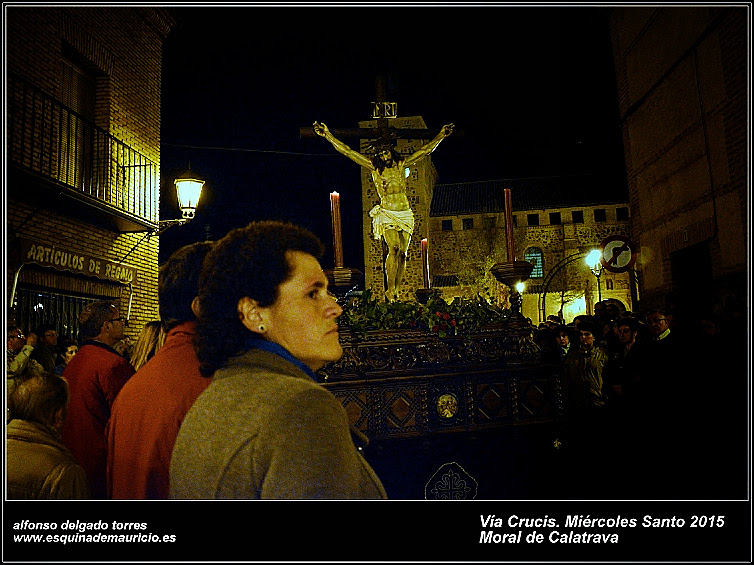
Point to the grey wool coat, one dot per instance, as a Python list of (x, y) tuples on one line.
[(265, 430)]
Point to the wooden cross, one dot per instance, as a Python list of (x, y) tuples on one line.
[(383, 111)]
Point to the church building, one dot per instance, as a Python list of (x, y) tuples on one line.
[(556, 222)]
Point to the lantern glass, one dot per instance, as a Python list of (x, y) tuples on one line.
[(188, 190), (593, 259)]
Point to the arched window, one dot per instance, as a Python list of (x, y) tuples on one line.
[(534, 256)]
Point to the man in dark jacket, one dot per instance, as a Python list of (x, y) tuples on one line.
[(46, 351)]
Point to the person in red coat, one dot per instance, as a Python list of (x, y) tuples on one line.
[(95, 376), (151, 406)]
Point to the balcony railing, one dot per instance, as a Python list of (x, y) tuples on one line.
[(51, 140)]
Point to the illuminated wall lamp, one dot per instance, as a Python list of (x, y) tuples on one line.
[(189, 190)]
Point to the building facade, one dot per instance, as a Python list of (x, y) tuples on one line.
[(682, 77), (556, 222), (83, 162)]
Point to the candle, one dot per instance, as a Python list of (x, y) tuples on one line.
[(509, 226), (425, 262), (337, 237)]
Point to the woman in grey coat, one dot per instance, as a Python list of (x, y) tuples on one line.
[(265, 428)]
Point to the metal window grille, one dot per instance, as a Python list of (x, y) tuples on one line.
[(534, 256), (62, 311)]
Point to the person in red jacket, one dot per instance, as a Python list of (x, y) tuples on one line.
[(151, 406), (95, 376)]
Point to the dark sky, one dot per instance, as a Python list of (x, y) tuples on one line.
[(532, 89)]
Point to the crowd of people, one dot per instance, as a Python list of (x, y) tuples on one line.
[(219, 397), (245, 322), (649, 400)]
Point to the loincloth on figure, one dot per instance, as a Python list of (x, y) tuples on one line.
[(382, 220)]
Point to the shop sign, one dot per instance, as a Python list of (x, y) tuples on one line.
[(46, 255)]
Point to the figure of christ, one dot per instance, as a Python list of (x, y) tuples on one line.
[(392, 218)]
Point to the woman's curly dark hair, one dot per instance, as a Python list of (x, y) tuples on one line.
[(248, 261)]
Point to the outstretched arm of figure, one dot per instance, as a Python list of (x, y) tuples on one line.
[(425, 150), (322, 130)]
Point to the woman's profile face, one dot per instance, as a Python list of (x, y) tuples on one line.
[(304, 317)]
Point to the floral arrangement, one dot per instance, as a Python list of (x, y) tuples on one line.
[(364, 313)]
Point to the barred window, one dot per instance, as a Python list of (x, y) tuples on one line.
[(534, 256), (445, 280)]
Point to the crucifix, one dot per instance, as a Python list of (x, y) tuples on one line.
[(392, 218)]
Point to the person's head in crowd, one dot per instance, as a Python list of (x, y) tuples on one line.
[(561, 336), (589, 334), (101, 321), (150, 340), (47, 336), (67, 348), (39, 397), (264, 282), (708, 327), (17, 339), (600, 310), (581, 319), (627, 329), (612, 312), (553, 320), (178, 283), (658, 323)]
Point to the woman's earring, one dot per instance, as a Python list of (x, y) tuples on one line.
[(262, 329)]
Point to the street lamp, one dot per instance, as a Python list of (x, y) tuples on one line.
[(594, 261), (188, 188)]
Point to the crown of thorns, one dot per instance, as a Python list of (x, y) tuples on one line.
[(381, 144)]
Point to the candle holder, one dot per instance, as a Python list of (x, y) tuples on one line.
[(424, 294), (510, 273), (343, 279)]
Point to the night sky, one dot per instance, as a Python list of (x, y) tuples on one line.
[(532, 89)]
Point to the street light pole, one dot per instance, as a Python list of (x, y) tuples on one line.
[(594, 260), (599, 287)]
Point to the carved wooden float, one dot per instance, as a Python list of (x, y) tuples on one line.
[(403, 383)]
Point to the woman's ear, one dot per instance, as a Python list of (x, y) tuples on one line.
[(58, 419), (195, 306), (248, 313)]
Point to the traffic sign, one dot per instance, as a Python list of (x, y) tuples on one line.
[(618, 253)]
